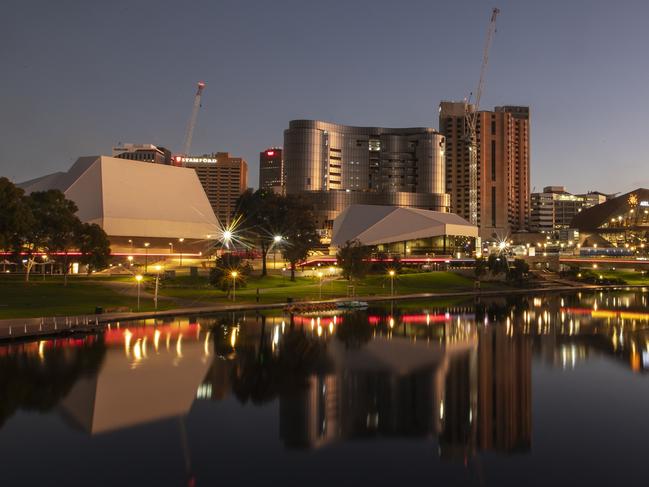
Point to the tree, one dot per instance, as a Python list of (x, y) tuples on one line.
[(353, 259), (54, 229), (221, 274), (94, 246), (481, 267), (15, 214), (519, 270), (299, 231), (263, 217)]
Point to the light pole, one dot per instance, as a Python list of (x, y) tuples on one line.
[(146, 256), (234, 275), (157, 279), (276, 240), (180, 249), (138, 279), (320, 277), (391, 282), (130, 260)]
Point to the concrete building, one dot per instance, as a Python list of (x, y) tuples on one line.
[(332, 166), (144, 153), (554, 208), (142, 207), (223, 177), (503, 166), (271, 170)]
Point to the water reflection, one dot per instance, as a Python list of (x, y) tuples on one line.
[(457, 376)]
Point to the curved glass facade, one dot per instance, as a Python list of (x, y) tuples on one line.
[(334, 166)]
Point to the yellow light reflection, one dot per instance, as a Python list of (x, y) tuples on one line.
[(156, 340), (127, 342)]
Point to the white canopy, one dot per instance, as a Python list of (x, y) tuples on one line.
[(373, 225)]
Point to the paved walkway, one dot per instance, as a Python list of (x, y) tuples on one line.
[(31, 328)]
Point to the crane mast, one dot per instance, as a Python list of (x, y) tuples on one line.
[(189, 133), (470, 123)]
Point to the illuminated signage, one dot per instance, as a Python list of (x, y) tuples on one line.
[(270, 153), (195, 159), (644, 203)]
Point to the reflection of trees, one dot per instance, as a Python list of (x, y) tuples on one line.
[(261, 374), (31, 383), (355, 329)]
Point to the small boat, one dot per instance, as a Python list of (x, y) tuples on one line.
[(352, 305)]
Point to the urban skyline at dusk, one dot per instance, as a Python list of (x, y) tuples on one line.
[(84, 77)]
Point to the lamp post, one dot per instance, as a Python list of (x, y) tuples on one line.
[(391, 282), (180, 249), (157, 280), (138, 279), (130, 260), (234, 275), (320, 277), (146, 256), (276, 240)]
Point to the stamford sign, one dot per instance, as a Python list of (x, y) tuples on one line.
[(183, 160)]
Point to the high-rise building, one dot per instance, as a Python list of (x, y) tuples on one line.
[(144, 153), (503, 141), (271, 170), (223, 177), (554, 208), (332, 166)]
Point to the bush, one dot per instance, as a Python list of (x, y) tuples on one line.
[(221, 273)]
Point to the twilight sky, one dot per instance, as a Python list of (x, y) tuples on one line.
[(79, 76)]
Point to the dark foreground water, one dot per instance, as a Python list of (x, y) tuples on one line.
[(546, 390)]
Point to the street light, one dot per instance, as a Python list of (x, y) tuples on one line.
[(392, 273), (146, 256), (138, 279), (276, 240), (320, 277), (157, 279), (130, 260), (234, 275), (180, 249)]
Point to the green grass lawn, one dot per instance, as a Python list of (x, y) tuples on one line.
[(50, 297), (629, 277)]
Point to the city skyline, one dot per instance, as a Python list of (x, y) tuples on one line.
[(72, 85)]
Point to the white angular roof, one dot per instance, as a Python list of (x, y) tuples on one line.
[(135, 199), (374, 224)]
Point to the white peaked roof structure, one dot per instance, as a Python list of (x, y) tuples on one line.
[(374, 225), (134, 199)]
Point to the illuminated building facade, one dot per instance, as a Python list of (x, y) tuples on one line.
[(223, 177), (619, 222), (271, 170), (554, 208), (503, 138), (143, 153), (333, 166)]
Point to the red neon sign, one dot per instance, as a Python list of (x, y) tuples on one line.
[(270, 153)]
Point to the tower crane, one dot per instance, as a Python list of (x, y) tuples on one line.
[(189, 133), (470, 122)]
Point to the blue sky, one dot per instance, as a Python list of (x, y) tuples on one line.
[(80, 76)]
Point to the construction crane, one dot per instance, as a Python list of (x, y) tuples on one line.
[(470, 122), (189, 133)]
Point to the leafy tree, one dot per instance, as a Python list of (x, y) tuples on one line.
[(497, 264), (263, 215), (519, 270), (221, 274), (481, 267), (299, 231), (93, 243), (353, 259), (15, 214)]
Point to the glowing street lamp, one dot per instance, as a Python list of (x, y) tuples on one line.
[(130, 260), (320, 274), (392, 273), (276, 241), (180, 249), (138, 279), (234, 275), (146, 256), (157, 279)]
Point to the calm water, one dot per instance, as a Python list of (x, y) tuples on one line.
[(548, 390)]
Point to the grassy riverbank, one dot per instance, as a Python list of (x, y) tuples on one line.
[(83, 294)]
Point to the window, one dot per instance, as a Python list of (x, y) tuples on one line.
[(493, 207), (493, 160)]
